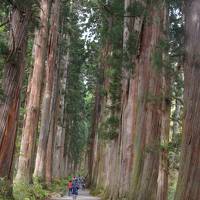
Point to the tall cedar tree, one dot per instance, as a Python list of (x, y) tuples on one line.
[(148, 122), (47, 97), (189, 175), (24, 172), (12, 83)]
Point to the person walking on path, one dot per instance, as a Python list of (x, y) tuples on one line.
[(75, 189), (70, 188)]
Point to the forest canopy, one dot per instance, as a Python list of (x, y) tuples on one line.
[(103, 89)]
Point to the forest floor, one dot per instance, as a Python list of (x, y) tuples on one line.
[(83, 195)]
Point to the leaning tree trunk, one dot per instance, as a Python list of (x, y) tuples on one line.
[(149, 100), (12, 83), (50, 73), (189, 174), (33, 105)]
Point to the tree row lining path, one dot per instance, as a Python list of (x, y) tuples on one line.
[(83, 195)]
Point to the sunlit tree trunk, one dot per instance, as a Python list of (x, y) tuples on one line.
[(46, 104), (12, 83), (189, 174), (33, 105)]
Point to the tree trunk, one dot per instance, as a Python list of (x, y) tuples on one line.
[(12, 83), (100, 115), (162, 190), (91, 150), (33, 105), (50, 73), (58, 155), (128, 101), (52, 129), (189, 174), (149, 106)]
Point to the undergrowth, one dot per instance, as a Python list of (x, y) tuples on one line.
[(38, 190), (35, 191)]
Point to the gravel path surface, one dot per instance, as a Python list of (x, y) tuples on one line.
[(83, 195)]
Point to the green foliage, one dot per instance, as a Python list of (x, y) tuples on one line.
[(156, 3), (3, 49), (131, 50), (136, 9), (59, 186), (151, 98), (23, 4), (5, 189), (108, 130), (159, 56), (133, 43), (111, 36), (35, 191), (157, 59), (173, 178), (152, 148), (80, 87), (97, 191), (38, 191)]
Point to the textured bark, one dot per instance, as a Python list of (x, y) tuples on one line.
[(128, 102), (162, 190), (12, 83), (93, 136), (52, 129), (149, 106), (50, 73), (33, 105), (135, 152), (58, 156), (105, 156), (189, 174), (98, 155)]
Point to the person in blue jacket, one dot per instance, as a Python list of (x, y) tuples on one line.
[(75, 188)]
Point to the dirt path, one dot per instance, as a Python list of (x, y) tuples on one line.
[(83, 195)]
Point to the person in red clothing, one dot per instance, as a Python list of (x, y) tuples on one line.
[(70, 188)]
